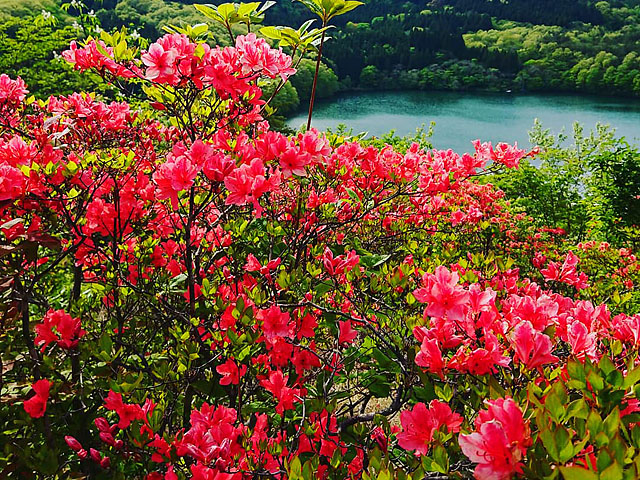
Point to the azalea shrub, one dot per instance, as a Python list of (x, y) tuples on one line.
[(188, 294)]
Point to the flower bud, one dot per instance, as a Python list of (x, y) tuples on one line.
[(107, 438), (73, 443), (102, 424), (95, 455)]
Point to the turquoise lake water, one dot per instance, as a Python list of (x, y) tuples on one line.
[(463, 117)]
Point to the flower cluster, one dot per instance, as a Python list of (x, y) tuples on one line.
[(258, 305)]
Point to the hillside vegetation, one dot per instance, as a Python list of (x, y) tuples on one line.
[(518, 45)]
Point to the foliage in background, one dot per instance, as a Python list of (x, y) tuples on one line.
[(453, 45), (588, 184), (33, 52)]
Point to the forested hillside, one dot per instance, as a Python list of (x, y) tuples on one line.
[(518, 45)]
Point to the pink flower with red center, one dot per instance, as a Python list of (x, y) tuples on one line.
[(500, 441), (257, 57), (430, 356), (217, 166), (173, 177), (315, 145), (503, 153), (509, 155), (37, 405), (160, 63), (627, 329), (277, 385), (480, 361), (294, 162), (90, 56), (445, 298), (12, 182), (420, 424), (346, 332), (583, 343), (12, 91), (17, 152), (566, 273), (247, 183), (532, 348)]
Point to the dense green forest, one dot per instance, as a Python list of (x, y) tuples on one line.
[(518, 45)]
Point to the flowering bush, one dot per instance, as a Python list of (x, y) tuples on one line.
[(188, 294)]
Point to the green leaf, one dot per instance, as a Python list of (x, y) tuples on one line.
[(549, 442), (577, 473), (273, 33), (594, 423), (347, 7), (441, 459), (295, 469), (578, 409), (312, 5), (380, 388), (611, 424), (605, 365), (595, 380), (612, 472), (631, 378), (323, 288), (555, 407), (373, 261), (563, 444), (576, 372)]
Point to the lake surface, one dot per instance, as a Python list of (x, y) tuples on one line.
[(463, 117)]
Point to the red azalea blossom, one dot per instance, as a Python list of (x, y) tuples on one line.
[(213, 259), (230, 372), (37, 405), (347, 333), (277, 385), (275, 323), (430, 356), (59, 327), (127, 413)]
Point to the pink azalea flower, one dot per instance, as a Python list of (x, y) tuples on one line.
[(59, 327), (12, 182), (160, 63), (127, 412), (583, 343), (247, 183), (443, 295), (347, 333), (173, 177), (532, 348), (430, 356), (500, 441), (230, 372), (277, 385), (420, 423)]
